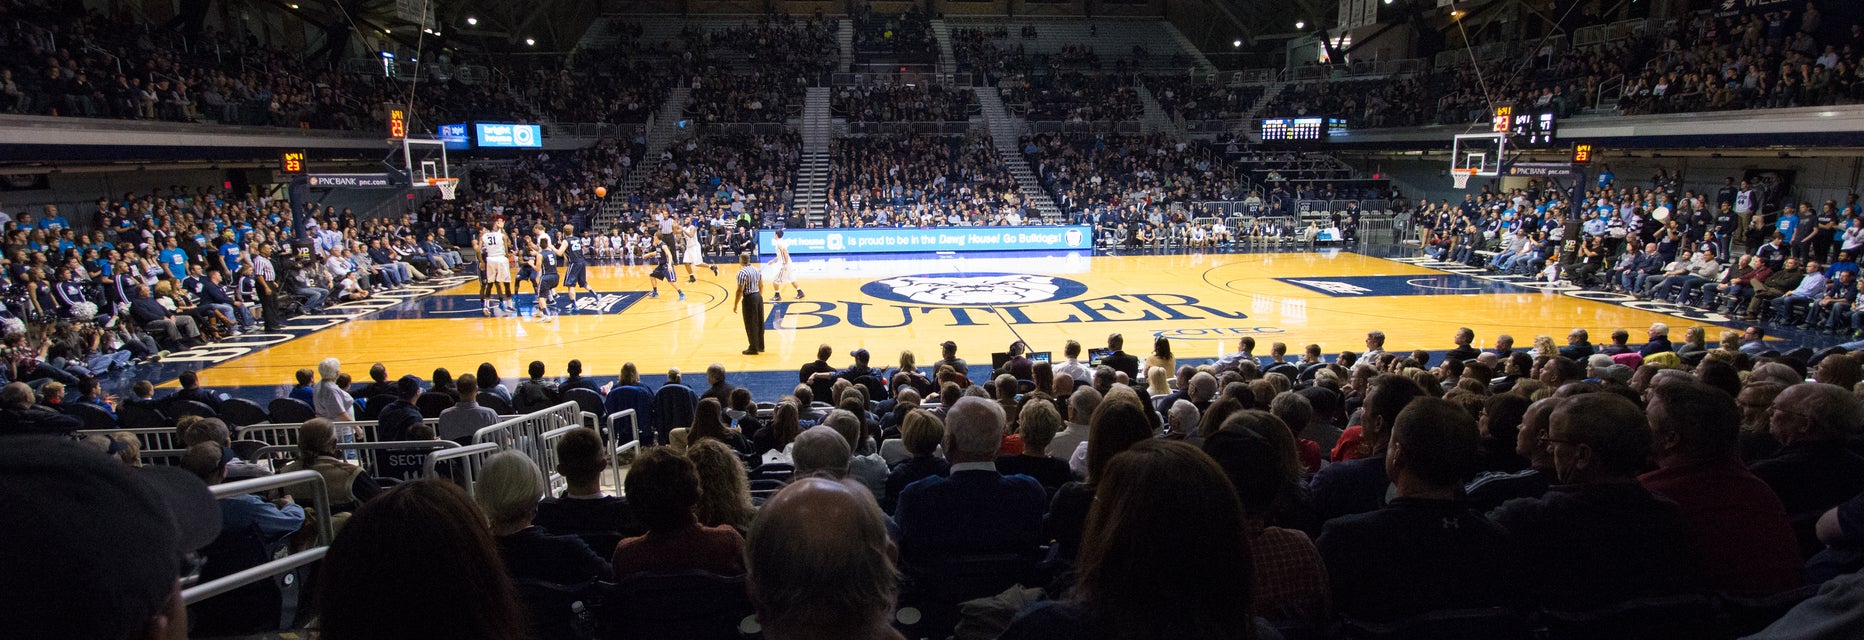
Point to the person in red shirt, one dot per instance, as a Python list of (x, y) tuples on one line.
[(1737, 525)]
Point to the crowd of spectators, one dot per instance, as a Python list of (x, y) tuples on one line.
[(1744, 250), (1789, 57), (736, 171), (904, 103), (1073, 96), (921, 181), (1378, 489), (781, 45), (89, 64), (1785, 58), (997, 55), (1193, 99), (757, 97), (980, 51), (903, 38), (1113, 171)]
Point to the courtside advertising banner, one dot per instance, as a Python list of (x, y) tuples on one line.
[(957, 239)]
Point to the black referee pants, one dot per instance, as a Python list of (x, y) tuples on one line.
[(754, 320)]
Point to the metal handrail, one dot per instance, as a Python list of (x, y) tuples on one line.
[(443, 455), (325, 532), (615, 451)]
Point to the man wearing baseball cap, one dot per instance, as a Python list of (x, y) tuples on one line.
[(96, 549)]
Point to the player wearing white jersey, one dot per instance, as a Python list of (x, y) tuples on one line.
[(693, 254), (782, 263), (493, 247)]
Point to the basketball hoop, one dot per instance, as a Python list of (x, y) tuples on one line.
[(1461, 177), (447, 186)]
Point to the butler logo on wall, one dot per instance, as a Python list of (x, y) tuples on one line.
[(974, 289)]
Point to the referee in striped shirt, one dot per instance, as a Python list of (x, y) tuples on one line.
[(751, 292)]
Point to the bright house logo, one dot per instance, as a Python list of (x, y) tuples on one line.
[(974, 289)]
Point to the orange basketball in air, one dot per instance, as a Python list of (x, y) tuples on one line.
[(601, 192)]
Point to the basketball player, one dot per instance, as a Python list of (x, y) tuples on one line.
[(782, 263), (662, 255), (525, 257), (546, 265), (694, 254), (494, 266), (576, 264)]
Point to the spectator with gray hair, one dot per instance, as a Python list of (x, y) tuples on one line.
[(1203, 390), (508, 490), (215, 430), (1659, 340), (821, 451), (864, 465), (974, 510), (1038, 423), (1596, 538), (820, 565), (1181, 422), (1814, 470), (1081, 405)]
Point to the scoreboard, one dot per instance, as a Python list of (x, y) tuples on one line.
[(1525, 128), (1301, 129)]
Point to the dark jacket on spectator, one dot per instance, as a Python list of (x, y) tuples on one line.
[(1811, 478), (1590, 546), (395, 420), (1417, 556)]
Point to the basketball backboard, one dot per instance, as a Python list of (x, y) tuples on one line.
[(1482, 152), (424, 159)]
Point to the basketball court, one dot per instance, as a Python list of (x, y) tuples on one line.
[(1204, 303)]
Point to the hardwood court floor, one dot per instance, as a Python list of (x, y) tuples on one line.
[(1203, 302)]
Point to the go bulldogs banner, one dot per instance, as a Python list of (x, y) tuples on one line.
[(910, 240)]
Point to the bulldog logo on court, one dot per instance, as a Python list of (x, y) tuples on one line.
[(974, 289)]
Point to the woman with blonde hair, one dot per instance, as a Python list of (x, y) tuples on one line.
[(1545, 347), (1157, 382), (920, 433), (128, 448), (724, 487)]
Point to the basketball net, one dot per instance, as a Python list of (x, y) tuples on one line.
[(1461, 177), (447, 186)]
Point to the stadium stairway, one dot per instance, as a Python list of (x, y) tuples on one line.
[(947, 59), (844, 41), (1199, 62), (661, 130), (1155, 119), (1005, 133), (812, 176), (1255, 110)]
